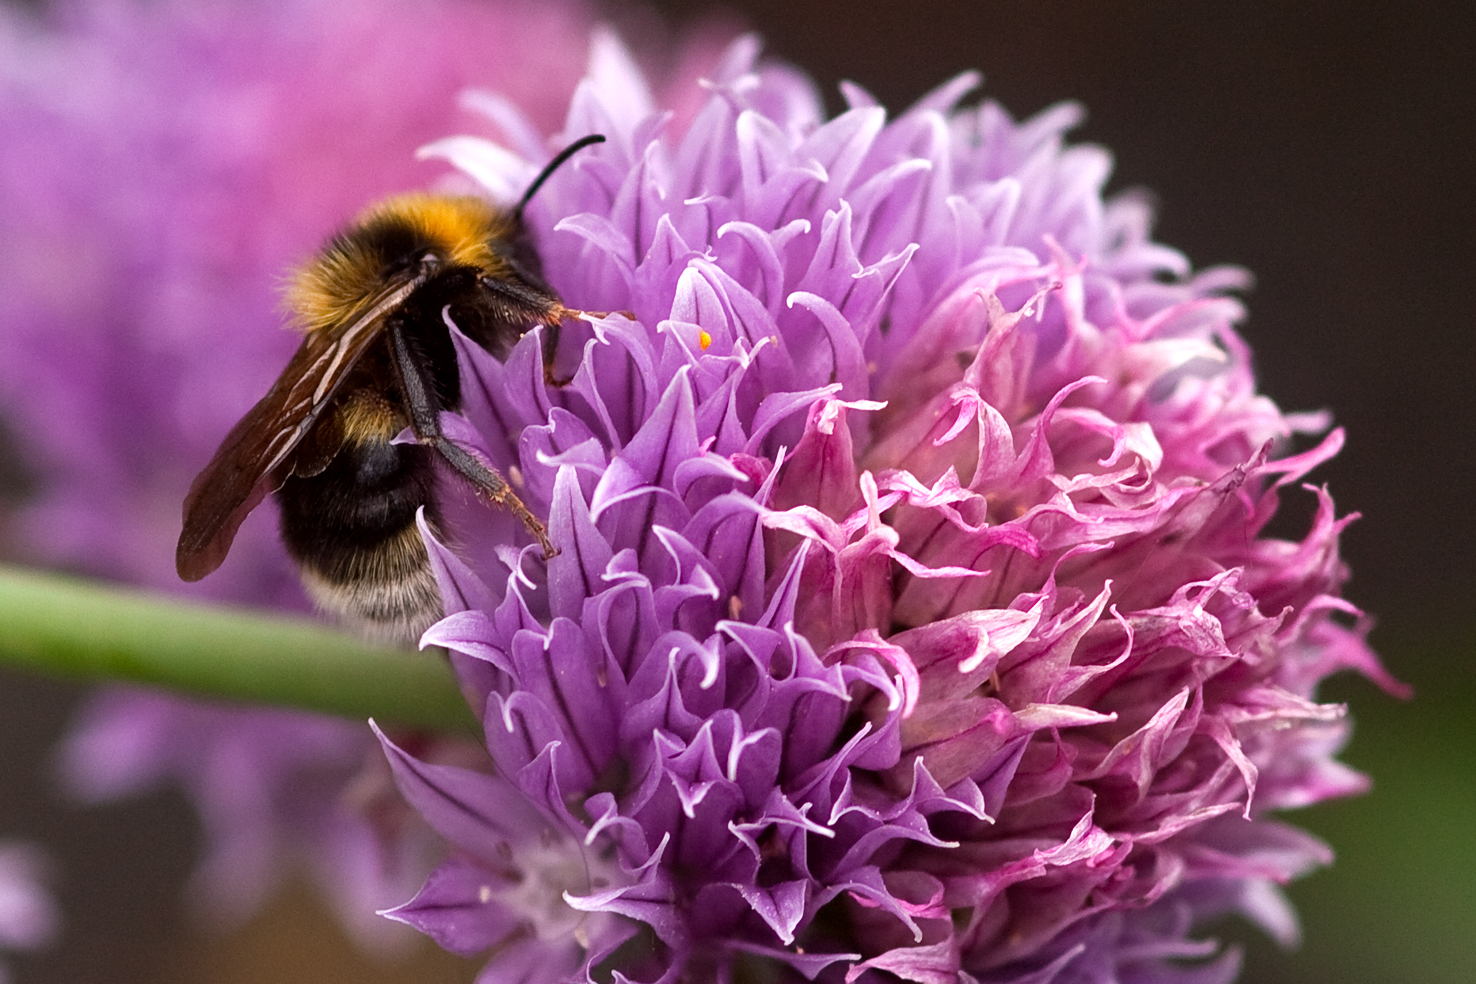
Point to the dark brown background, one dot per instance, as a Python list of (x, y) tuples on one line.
[(1328, 147)]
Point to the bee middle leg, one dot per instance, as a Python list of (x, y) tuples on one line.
[(490, 483), (425, 408)]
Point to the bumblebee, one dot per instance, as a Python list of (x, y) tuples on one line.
[(377, 357)]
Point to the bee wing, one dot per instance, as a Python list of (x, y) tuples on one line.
[(241, 473)]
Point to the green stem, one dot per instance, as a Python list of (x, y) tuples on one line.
[(71, 628)]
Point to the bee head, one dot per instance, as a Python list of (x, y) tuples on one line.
[(406, 237)]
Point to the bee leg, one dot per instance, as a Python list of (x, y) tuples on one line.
[(493, 485), (520, 303), (425, 420), (551, 352), (551, 340)]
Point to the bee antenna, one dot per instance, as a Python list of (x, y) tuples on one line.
[(553, 166)]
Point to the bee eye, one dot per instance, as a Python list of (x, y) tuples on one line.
[(430, 261)]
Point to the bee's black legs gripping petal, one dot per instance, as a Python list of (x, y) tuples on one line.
[(425, 419)]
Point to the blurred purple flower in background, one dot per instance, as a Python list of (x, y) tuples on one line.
[(28, 917), (275, 792), (912, 614)]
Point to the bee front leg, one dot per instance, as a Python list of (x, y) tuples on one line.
[(425, 408)]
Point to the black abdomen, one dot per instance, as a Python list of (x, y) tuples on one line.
[(351, 528), (365, 497)]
